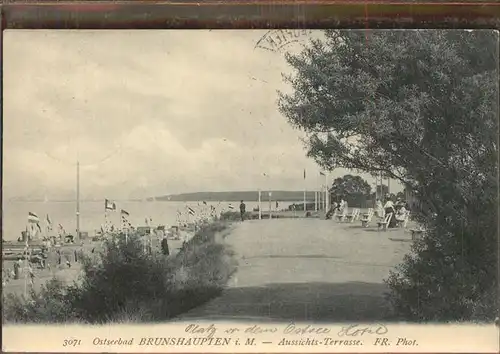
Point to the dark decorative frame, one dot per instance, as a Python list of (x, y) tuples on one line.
[(249, 14)]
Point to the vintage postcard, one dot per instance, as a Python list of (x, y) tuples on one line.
[(250, 191)]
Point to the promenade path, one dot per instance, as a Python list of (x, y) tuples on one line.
[(307, 269)]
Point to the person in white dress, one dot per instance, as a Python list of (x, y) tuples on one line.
[(389, 208), (401, 214), (379, 209)]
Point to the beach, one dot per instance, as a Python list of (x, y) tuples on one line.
[(64, 272), (92, 213)]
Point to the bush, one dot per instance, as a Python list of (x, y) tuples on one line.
[(123, 284), (124, 276), (448, 276), (51, 304)]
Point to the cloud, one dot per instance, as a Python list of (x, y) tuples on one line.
[(146, 113)]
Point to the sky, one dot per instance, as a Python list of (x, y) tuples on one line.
[(148, 113)]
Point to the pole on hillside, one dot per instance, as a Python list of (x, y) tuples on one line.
[(260, 206)]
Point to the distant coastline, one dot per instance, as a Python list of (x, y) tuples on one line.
[(232, 196), (236, 196)]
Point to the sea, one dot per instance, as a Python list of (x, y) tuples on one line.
[(92, 216)]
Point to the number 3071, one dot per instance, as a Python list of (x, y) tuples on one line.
[(72, 342)]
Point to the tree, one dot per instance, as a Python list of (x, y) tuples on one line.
[(350, 184), (353, 188), (420, 107)]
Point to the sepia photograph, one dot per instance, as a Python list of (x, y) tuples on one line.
[(250, 176)]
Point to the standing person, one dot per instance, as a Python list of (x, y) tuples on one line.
[(332, 210), (164, 246), (59, 257), (277, 204), (242, 210), (341, 204), (16, 269)]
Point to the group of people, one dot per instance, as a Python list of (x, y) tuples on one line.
[(399, 210), (338, 207)]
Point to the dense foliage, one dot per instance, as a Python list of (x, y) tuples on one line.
[(420, 107), (354, 189)]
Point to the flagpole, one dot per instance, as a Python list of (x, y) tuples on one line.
[(326, 192), (106, 223), (78, 199), (320, 198), (26, 266), (305, 190), (151, 236), (260, 206), (381, 195), (26, 256), (270, 216)]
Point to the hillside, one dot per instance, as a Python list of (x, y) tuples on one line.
[(248, 196)]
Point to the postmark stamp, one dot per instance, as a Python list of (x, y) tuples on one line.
[(279, 40)]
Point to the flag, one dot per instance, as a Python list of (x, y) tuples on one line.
[(304, 173), (321, 173), (191, 211), (231, 206), (33, 218), (49, 223), (124, 213), (109, 205)]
